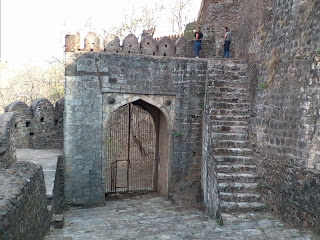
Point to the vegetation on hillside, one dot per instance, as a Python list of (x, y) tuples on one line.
[(30, 82)]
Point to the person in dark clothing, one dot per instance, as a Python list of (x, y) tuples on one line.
[(197, 45), (227, 42)]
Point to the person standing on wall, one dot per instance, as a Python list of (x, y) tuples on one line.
[(227, 42), (197, 45)]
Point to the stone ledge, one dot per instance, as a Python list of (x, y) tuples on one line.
[(23, 204)]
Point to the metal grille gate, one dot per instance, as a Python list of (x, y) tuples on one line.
[(130, 150)]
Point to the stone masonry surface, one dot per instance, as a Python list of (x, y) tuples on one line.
[(213, 17), (229, 177), (151, 217), (22, 122), (39, 125), (58, 202), (281, 41), (23, 203), (89, 76), (7, 140)]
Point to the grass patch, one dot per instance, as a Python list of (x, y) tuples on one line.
[(273, 66), (177, 134)]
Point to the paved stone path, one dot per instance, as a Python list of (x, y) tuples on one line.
[(151, 217), (47, 158)]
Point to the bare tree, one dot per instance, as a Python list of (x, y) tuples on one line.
[(139, 18), (33, 82), (179, 13), (150, 17)]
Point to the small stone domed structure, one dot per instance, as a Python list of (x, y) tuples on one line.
[(23, 123), (181, 45), (39, 126), (16, 106), (112, 45), (165, 47), (131, 45), (92, 42), (148, 45), (43, 123)]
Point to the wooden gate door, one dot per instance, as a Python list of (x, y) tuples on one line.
[(130, 151)]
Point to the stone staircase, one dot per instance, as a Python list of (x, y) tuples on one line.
[(235, 165)]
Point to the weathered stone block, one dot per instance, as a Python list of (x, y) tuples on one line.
[(57, 221)]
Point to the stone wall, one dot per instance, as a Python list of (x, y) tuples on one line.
[(22, 122), (7, 140), (92, 79), (209, 170), (58, 203), (281, 40), (38, 126), (23, 203)]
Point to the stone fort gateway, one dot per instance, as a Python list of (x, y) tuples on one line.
[(241, 134)]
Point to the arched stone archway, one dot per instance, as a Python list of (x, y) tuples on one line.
[(161, 157)]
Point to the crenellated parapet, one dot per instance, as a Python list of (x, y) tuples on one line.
[(39, 125), (172, 37), (172, 46)]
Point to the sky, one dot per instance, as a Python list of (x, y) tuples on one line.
[(34, 30)]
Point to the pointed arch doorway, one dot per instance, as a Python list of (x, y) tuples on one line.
[(137, 149)]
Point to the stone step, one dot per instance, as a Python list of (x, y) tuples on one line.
[(224, 105), (230, 143), (237, 177), (242, 83), (230, 129), (240, 197), (229, 136), (227, 95), (220, 73), (230, 123), (232, 90), (234, 159), (237, 187), (235, 64), (244, 117), (231, 168), (232, 151), (240, 79), (230, 99), (226, 74), (226, 206), (232, 112)]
